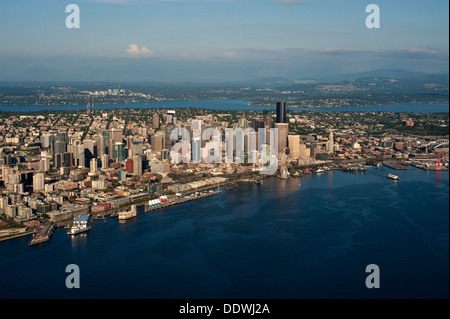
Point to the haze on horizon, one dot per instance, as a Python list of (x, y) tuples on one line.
[(218, 40)]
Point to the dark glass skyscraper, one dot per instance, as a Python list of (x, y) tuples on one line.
[(281, 112)]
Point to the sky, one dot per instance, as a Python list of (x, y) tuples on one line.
[(218, 40)]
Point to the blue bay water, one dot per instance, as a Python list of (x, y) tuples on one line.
[(232, 105), (274, 240)]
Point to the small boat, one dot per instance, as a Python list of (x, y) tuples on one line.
[(392, 176), (258, 181), (320, 170)]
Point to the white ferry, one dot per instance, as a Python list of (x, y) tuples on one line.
[(80, 225), (392, 176)]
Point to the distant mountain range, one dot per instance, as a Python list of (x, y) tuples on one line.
[(376, 81)]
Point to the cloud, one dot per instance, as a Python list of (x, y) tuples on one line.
[(135, 52), (418, 51), (229, 55)]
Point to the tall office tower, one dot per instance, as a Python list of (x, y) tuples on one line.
[(106, 138), (168, 132), (81, 159), (38, 182), (100, 142), (137, 148), (196, 141), (80, 154), (119, 154), (281, 112), (57, 160), (44, 164), (116, 135), (73, 148), (67, 159), (294, 146), (267, 118), (170, 117), (157, 141), (283, 131), (137, 165), (4, 202), (110, 148), (58, 147), (330, 143), (155, 121), (105, 161), (91, 147), (62, 136), (94, 166), (46, 140), (257, 124), (6, 171)]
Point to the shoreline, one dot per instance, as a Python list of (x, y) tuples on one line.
[(4, 238)]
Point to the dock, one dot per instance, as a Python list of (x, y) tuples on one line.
[(181, 200), (230, 186), (396, 166), (430, 167)]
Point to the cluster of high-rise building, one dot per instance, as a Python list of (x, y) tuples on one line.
[(48, 162)]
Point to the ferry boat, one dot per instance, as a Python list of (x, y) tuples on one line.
[(392, 176), (43, 236), (80, 225), (128, 214)]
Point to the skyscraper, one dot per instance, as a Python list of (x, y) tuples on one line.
[(38, 182), (116, 135), (283, 131), (136, 148), (155, 121), (105, 161), (58, 147), (105, 134), (196, 141), (294, 146), (330, 143), (257, 124), (137, 165), (157, 142), (94, 165), (46, 140), (44, 164), (171, 119), (100, 142), (119, 154), (281, 112), (267, 118)]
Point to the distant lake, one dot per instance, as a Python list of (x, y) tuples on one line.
[(231, 105)]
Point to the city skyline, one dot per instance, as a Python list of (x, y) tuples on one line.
[(218, 40)]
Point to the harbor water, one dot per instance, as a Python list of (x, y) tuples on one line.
[(270, 240)]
